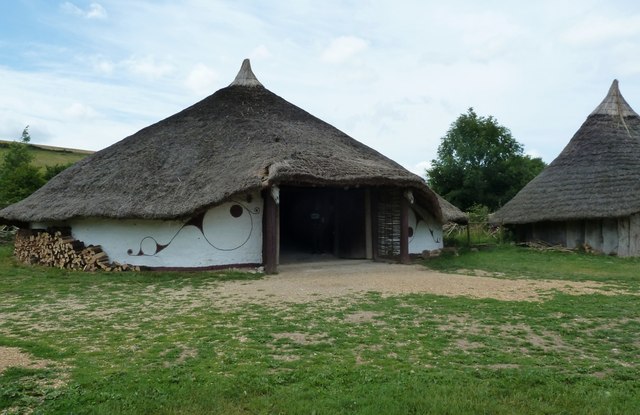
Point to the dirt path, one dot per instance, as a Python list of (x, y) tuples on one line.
[(299, 283)]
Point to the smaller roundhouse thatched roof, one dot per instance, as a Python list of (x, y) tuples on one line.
[(243, 138), (597, 175), (451, 213)]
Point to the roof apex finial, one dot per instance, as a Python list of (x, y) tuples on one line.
[(614, 104), (245, 76)]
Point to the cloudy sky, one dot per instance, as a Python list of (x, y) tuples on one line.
[(392, 74)]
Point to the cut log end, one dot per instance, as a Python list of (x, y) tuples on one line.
[(55, 247)]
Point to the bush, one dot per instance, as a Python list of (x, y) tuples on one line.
[(478, 213), (18, 177), (477, 232)]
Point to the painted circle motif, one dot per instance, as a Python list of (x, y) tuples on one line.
[(410, 232), (227, 227), (236, 211), (148, 246)]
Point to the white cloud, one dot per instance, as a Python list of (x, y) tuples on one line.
[(79, 110), (626, 58), (10, 128), (261, 52), (71, 8), (201, 79), (487, 34), (343, 48), (533, 153), (102, 65), (148, 67), (598, 29), (513, 61), (420, 168), (57, 110), (94, 11)]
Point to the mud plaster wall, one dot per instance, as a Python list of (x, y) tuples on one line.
[(227, 234), (425, 233)]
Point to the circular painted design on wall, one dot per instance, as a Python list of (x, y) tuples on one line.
[(148, 246), (227, 227), (410, 232), (236, 211)]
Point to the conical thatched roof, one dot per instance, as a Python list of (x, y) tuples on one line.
[(240, 139), (597, 175)]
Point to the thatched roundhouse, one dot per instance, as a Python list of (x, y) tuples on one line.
[(590, 194), (237, 179)]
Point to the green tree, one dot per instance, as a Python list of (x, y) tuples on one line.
[(480, 163), (51, 171), (18, 177)]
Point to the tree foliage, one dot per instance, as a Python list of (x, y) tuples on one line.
[(51, 171), (480, 163), (18, 177)]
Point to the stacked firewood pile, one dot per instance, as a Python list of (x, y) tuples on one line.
[(57, 248), (544, 246)]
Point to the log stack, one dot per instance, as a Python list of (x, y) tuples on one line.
[(57, 248)]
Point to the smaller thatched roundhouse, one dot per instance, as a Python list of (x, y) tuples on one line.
[(590, 194), (237, 179)]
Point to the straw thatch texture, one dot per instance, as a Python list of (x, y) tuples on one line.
[(450, 213), (597, 175), (240, 139)]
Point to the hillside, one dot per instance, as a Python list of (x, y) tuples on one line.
[(49, 155)]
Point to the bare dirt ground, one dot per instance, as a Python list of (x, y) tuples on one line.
[(304, 282), (12, 357)]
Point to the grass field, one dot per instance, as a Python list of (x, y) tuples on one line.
[(161, 343), (49, 156)]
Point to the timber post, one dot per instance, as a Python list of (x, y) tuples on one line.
[(270, 235), (404, 231)]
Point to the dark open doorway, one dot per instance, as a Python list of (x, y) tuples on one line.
[(317, 223)]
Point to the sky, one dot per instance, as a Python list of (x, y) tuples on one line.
[(391, 74)]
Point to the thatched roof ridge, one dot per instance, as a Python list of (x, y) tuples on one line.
[(614, 104), (245, 76), (240, 139), (597, 175)]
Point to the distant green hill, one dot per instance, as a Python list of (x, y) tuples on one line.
[(49, 155)]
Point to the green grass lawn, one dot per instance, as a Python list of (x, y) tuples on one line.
[(516, 262), (165, 343)]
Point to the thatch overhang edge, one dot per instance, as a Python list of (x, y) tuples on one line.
[(527, 221)]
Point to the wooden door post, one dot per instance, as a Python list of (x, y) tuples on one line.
[(270, 235), (404, 231)]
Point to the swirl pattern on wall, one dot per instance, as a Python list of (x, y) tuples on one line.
[(418, 223), (222, 229)]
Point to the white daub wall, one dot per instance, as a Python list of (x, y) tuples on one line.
[(228, 234), (427, 233)]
